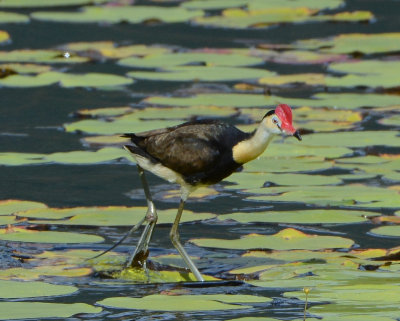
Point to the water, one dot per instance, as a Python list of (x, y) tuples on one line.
[(31, 121)]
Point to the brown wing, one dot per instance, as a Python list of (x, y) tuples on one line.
[(184, 149)]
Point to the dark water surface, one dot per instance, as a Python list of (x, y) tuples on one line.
[(31, 121)]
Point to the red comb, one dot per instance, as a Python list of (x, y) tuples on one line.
[(284, 112)]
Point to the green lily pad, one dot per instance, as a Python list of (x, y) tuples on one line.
[(287, 150), (240, 18), (17, 234), (286, 239), (347, 195), (297, 56), (205, 302), (7, 219), (201, 73), (37, 273), (66, 80), (12, 206), (11, 17), (245, 180), (37, 310), (344, 100), (4, 36), (106, 216), (391, 230), (268, 165), (261, 4), (39, 56), (355, 312), (355, 42), (354, 139), (391, 120), (194, 57), (26, 68), (321, 216), (110, 50), (15, 289), (45, 3), (118, 14)]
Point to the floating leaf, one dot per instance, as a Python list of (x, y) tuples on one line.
[(108, 49), (26, 68), (66, 80), (244, 180), (12, 206), (205, 302), (39, 56), (347, 195), (392, 230), (390, 121), (344, 100), (23, 235), (320, 216), (286, 239), (45, 3), (107, 216), (279, 80), (201, 73), (15, 289), (37, 310), (35, 273), (354, 42), (196, 58), (261, 4), (117, 14), (11, 17)]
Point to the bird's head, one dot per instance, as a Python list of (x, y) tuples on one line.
[(280, 121)]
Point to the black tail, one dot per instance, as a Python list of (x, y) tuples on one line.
[(135, 150), (134, 138)]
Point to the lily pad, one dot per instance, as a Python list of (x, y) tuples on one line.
[(45, 3), (110, 50), (201, 73), (344, 100), (25, 68), (39, 56), (261, 4), (392, 230), (15, 289), (254, 180), (130, 14), (286, 239), (191, 57), (17, 234), (106, 216), (11, 17), (354, 42), (66, 80), (347, 195), (12, 206), (37, 273), (391, 120), (205, 302), (37, 310), (240, 18), (321, 216)]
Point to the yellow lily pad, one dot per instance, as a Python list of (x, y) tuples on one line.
[(4, 36), (12, 206)]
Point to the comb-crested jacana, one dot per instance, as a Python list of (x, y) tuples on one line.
[(195, 154)]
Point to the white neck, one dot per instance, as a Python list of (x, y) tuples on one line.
[(253, 147)]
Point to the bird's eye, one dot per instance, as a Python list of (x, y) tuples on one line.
[(275, 120)]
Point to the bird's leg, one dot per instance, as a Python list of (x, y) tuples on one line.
[(174, 235), (139, 256)]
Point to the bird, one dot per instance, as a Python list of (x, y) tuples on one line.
[(193, 154)]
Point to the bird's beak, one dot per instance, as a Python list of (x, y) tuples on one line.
[(297, 135)]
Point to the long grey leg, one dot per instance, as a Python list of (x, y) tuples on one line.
[(174, 235), (139, 256)]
